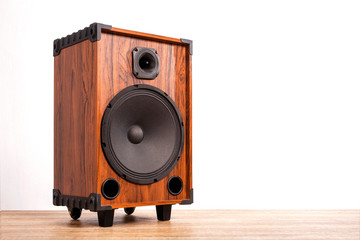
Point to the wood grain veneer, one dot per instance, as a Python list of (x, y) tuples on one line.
[(75, 118)]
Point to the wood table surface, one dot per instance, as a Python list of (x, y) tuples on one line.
[(186, 224)]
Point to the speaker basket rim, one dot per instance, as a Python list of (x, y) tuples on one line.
[(109, 154)]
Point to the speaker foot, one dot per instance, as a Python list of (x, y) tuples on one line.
[(129, 210), (106, 218), (163, 212), (75, 213)]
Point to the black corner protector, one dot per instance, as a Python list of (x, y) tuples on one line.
[(93, 33), (92, 202), (190, 42), (189, 201)]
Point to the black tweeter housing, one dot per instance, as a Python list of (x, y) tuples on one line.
[(145, 63)]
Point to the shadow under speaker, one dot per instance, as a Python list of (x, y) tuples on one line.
[(122, 122)]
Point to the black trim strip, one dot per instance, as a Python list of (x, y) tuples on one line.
[(190, 42), (189, 201), (93, 33), (92, 203)]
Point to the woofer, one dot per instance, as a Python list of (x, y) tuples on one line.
[(142, 134)]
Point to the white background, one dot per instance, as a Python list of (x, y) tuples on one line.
[(276, 97)]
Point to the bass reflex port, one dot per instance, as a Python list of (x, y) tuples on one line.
[(175, 185), (110, 188)]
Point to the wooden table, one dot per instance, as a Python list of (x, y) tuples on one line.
[(187, 224)]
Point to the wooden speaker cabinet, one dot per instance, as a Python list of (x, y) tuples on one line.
[(122, 122)]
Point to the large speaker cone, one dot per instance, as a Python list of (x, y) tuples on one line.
[(142, 134)]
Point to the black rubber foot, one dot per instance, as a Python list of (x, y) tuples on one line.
[(75, 213), (163, 212), (106, 218), (129, 210)]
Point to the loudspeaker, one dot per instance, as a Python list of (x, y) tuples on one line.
[(122, 122)]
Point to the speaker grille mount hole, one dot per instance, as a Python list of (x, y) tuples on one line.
[(175, 185), (110, 188)]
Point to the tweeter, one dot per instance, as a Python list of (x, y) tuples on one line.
[(145, 63)]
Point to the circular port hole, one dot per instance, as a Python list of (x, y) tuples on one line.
[(110, 188), (147, 62), (175, 185)]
